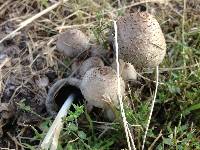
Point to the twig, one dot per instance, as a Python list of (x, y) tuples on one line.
[(29, 20), (149, 79), (152, 107), (173, 69), (15, 141), (76, 26), (183, 32), (4, 62), (157, 138), (1, 66)]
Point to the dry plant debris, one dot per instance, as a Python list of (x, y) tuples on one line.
[(35, 64)]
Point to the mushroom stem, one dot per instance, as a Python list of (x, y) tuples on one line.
[(52, 136)]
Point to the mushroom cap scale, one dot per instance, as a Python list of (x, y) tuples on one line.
[(140, 39)]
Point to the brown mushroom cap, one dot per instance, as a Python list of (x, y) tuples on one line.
[(72, 42), (127, 70), (89, 63), (99, 87), (141, 41)]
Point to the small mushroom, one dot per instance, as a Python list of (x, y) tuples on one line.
[(72, 42), (99, 87), (59, 92), (89, 63), (141, 40), (127, 71)]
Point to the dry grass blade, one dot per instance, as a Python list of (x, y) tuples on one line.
[(120, 96), (152, 107), (6, 60), (28, 21)]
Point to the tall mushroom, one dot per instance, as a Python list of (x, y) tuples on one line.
[(140, 39)]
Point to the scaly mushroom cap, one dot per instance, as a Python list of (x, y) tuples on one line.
[(141, 41), (89, 63), (99, 87), (127, 71), (72, 42)]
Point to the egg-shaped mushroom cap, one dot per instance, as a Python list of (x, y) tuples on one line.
[(127, 70), (141, 40), (99, 87), (72, 42), (89, 63)]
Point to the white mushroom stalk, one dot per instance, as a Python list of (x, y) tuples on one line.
[(51, 139)]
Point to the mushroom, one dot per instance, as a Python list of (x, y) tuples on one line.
[(59, 92), (99, 88), (72, 42), (62, 95), (141, 40), (89, 63), (127, 70)]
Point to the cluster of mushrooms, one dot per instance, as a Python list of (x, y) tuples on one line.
[(141, 45)]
